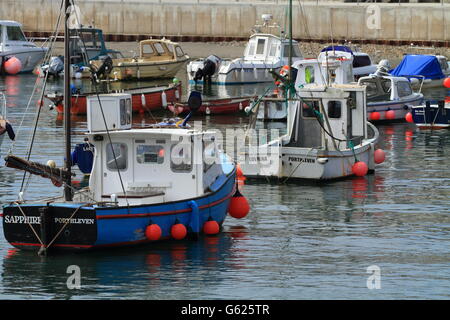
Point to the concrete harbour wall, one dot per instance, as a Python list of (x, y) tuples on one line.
[(203, 20)]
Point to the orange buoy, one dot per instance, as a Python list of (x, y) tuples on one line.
[(409, 117), (178, 231), (379, 156), (153, 232), (390, 115), (238, 207), (375, 116), (360, 169), (446, 82), (12, 65), (239, 172), (211, 227)]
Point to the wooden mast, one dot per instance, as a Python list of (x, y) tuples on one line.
[(68, 195)]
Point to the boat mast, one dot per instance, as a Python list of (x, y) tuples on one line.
[(67, 101), (290, 49)]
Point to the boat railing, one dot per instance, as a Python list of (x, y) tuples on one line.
[(372, 132)]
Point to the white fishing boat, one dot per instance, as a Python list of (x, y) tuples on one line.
[(363, 64), (328, 137), (267, 49), (13, 43), (389, 97)]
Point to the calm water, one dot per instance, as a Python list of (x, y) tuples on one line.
[(299, 241)]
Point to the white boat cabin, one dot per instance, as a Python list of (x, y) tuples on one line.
[(342, 113), (387, 88), (328, 68), (149, 165)]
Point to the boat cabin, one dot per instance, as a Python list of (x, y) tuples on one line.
[(270, 48), (155, 49), (386, 88), (148, 165), (328, 68), (87, 43), (338, 109)]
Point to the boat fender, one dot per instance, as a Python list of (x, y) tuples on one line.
[(195, 216), (164, 100), (143, 102), (409, 117), (178, 231), (379, 156), (153, 232), (208, 111), (446, 82), (177, 95), (12, 65), (360, 168), (238, 207), (211, 227), (390, 115)]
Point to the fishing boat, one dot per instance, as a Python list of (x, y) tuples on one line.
[(389, 98), (423, 70), (362, 63), (166, 181), (158, 58), (432, 115), (14, 45), (266, 50), (144, 99), (215, 106), (328, 137), (86, 44)]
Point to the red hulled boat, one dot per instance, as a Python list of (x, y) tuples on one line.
[(143, 99), (217, 106)]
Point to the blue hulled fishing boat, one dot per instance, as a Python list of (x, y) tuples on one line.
[(166, 180)]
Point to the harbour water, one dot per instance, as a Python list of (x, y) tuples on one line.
[(300, 241)]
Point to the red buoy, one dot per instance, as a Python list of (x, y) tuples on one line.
[(178, 231), (12, 65), (379, 156), (239, 172), (409, 117), (211, 227), (153, 232), (238, 207), (375, 116), (446, 82), (360, 169), (390, 115)]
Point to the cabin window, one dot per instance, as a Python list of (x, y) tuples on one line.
[(273, 50), (209, 153), (150, 154), (371, 88), (120, 151), (159, 48), (251, 49), (15, 34), (361, 61), (179, 51), (181, 158), (309, 74), (90, 40), (310, 108), (386, 85), (404, 88), (1, 34), (295, 51), (334, 109), (147, 49), (125, 112), (260, 46)]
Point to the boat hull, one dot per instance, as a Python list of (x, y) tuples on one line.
[(90, 228), (431, 117), (132, 71), (29, 59), (400, 108), (142, 99), (221, 106)]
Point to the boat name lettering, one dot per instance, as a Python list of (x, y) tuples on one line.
[(74, 220), (22, 219), (298, 159)]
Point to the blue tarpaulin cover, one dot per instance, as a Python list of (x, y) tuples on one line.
[(419, 65)]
